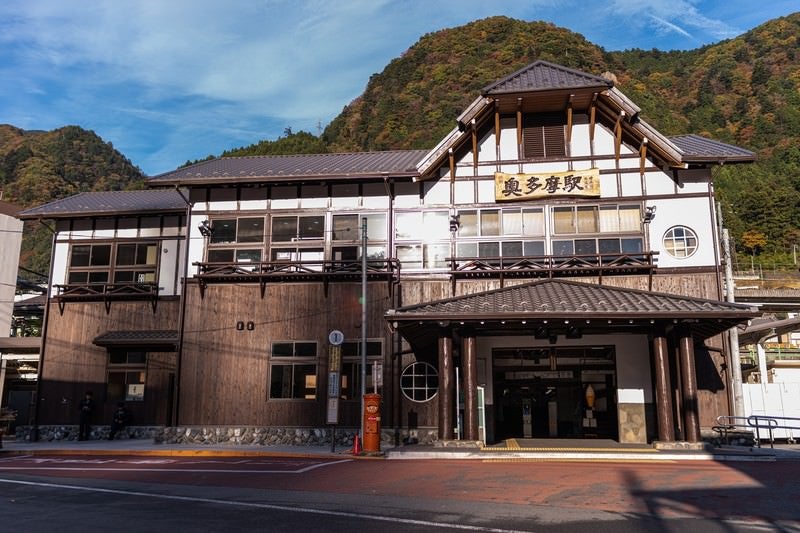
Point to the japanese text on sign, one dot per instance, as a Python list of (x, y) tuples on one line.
[(510, 187)]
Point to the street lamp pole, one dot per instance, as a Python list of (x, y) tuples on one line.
[(363, 319)]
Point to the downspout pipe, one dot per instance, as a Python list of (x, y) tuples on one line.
[(182, 317), (45, 324)]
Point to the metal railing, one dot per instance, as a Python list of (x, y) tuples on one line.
[(726, 424)]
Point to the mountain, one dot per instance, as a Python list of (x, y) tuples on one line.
[(37, 167)]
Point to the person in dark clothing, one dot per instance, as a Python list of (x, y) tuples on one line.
[(119, 420), (86, 407)]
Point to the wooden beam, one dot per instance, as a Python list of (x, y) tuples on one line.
[(592, 118), (452, 159), (642, 156), (496, 124), (519, 128), (474, 129), (569, 119)]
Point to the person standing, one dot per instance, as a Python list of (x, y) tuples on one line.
[(86, 407)]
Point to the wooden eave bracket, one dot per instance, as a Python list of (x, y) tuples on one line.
[(592, 117), (618, 134)]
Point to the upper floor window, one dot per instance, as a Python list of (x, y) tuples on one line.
[(117, 263), (680, 241), (234, 230), (596, 219), (292, 228)]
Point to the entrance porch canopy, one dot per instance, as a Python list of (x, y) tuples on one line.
[(551, 307)]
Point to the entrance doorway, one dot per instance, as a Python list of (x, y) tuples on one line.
[(542, 392)]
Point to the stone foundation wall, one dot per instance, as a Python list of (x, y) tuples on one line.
[(66, 432), (233, 435)]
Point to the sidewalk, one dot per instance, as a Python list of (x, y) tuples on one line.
[(539, 449)]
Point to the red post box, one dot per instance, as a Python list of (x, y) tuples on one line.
[(372, 423)]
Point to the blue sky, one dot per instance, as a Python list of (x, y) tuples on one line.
[(167, 81)]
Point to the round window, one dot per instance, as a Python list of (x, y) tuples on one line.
[(680, 242), (419, 382)]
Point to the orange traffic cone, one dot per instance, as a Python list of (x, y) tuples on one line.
[(356, 445)]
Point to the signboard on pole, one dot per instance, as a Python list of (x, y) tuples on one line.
[(334, 375)]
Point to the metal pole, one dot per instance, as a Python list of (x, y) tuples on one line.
[(363, 319), (733, 334)]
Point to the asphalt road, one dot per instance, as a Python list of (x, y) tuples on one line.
[(176, 494)]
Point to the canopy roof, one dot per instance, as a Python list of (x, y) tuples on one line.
[(564, 307), (162, 340)]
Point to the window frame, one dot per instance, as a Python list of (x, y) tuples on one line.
[(294, 362), (106, 273), (126, 369)]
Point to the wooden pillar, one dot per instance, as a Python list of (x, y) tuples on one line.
[(469, 363), (691, 419), (666, 423), (446, 385)]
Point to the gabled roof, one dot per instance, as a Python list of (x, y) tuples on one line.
[(110, 203), (697, 149), (298, 167), (544, 76)]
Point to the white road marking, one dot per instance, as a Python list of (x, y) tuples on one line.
[(308, 510), (90, 467)]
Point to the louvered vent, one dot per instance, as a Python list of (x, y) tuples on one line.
[(543, 135)]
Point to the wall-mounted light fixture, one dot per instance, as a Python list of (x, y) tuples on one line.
[(251, 326), (455, 223), (205, 228), (649, 214), (240, 326)]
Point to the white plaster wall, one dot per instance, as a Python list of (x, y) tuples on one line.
[(197, 243), (11, 240), (631, 184), (690, 212), (437, 192), (60, 263)]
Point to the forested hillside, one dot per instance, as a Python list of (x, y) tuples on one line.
[(37, 167)]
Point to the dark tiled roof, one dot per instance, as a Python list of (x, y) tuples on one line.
[(154, 338), (760, 328), (542, 75), (109, 203), (7, 208), (699, 149), (294, 167), (563, 298)]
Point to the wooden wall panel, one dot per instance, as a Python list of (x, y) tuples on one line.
[(225, 371), (73, 364)]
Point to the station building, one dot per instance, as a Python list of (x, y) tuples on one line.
[(552, 268)]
